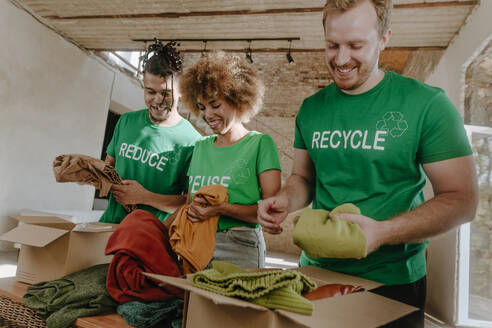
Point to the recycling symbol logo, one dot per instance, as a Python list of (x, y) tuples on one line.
[(239, 172), (393, 123)]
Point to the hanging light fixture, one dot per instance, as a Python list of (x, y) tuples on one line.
[(204, 48), (249, 53), (289, 56)]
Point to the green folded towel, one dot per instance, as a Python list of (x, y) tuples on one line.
[(320, 234), (165, 314), (277, 289), (79, 294)]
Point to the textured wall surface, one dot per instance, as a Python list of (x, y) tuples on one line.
[(478, 111)]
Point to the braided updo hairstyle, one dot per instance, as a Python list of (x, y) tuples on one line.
[(162, 60)]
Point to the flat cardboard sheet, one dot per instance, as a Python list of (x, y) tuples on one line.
[(95, 227)]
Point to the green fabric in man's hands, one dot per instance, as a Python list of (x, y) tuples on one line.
[(321, 234)]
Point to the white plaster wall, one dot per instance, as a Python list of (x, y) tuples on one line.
[(54, 99), (443, 253), (122, 100), (448, 74)]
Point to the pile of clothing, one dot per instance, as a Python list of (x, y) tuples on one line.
[(60, 302), (142, 243), (288, 290), (76, 295), (276, 289)]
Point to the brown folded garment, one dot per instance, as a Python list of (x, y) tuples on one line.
[(194, 242), (331, 290), (84, 170)]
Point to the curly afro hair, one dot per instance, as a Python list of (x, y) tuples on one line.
[(223, 76)]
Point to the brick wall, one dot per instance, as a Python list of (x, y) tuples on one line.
[(286, 86)]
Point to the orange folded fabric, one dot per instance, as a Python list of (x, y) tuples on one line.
[(194, 242), (84, 170)]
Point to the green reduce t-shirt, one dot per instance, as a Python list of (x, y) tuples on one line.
[(236, 167), (368, 149), (155, 156)]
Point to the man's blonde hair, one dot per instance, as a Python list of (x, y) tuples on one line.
[(226, 76), (382, 7)]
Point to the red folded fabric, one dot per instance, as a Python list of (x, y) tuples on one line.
[(331, 290), (140, 244)]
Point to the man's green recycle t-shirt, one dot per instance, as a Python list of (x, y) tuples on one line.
[(368, 149), (155, 156), (236, 167)]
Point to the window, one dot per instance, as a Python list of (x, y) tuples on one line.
[(475, 241)]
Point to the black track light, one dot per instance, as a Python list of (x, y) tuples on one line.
[(249, 53), (204, 48), (289, 56)]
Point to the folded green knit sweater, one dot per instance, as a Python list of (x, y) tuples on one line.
[(79, 294), (276, 289), (164, 314), (320, 234)]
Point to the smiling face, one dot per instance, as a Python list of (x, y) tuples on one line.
[(221, 116), (160, 97), (352, 48)]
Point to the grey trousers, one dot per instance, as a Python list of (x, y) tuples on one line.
[(244, 247)]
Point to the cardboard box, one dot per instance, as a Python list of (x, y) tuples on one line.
[(52, 246), (362, 309)]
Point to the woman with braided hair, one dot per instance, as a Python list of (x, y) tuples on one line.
[(151, 148)]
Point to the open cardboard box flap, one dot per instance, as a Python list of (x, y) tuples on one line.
[(53, 246), (362, 309), (33, 235), (46, 221), (64, 223), (39, 231), (186, 284)]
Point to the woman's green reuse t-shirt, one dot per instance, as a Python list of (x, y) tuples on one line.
[(368, 149), (236, 167), (155, 156)]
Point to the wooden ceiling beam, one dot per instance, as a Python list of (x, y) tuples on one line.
[(437, 4), (192, 14), (249, 12), (273, 50)]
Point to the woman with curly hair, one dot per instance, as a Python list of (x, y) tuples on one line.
[(226, 92)]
